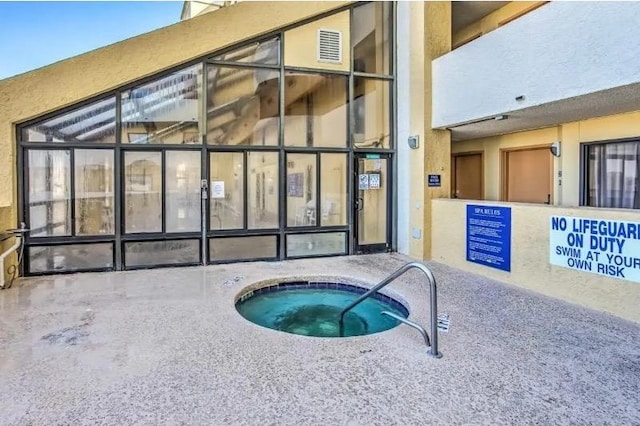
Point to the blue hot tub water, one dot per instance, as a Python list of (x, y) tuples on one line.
[(313, 309)]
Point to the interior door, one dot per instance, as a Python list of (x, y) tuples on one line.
[(468, 176), (371, 203)]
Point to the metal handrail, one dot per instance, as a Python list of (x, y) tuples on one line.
[(433, 296), (412, 324)]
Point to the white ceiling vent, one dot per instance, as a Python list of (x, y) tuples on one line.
[(330, 46)]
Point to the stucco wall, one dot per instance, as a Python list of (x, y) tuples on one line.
[(558, 51), (63, 83), (530, 266), (571, 135)]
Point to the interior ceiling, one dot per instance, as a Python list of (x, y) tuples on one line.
[(618, 100), (466, 12)]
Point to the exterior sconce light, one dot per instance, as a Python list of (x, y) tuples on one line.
[(414, 141), (555, 149)]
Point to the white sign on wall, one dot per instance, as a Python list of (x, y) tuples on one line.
[(217, 189), (605, 247)]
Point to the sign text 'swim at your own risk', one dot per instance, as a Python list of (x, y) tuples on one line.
[(605, 247)]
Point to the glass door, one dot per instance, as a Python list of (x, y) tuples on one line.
[(371, 203), (162, 207)]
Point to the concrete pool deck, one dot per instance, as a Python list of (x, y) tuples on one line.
[(166, 346)]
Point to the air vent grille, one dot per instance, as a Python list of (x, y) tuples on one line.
[(330, 46)]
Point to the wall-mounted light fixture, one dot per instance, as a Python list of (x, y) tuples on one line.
[(414, 141), (555, 149)]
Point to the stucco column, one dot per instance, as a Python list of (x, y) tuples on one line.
[(437, 152)]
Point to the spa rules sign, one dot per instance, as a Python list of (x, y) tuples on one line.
[(605, 247)]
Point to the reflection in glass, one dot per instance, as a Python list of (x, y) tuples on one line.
[(70, 257), (227, 190), (316, 110), (242, 248), (49, 193), (143, 191), (333, 189), (371, 113), (92, 123), (299, 245), (262, 189), (370, 37), (168, 252), (165, 111), (372, 216), (301, 190), (242, 106), (182, 196), (94, 191), (264, 52)]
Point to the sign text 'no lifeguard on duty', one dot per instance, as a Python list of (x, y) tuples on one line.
[(489, 236), (605, 247)]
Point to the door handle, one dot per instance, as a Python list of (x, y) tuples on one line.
[(359, 204), (548, 199)]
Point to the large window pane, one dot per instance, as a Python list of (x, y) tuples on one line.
[(182, 196), (333, 189), (371, 35), (300, 245), (262, 187), (242, 106), (242, 248), (371, 113), (165, 111), (614, 175), (168, 252), (227, 190), (49, 193), (316, 110), (263, 52), (143, 192), (94, 191), (92, 123), (301, 190), (70, 257)]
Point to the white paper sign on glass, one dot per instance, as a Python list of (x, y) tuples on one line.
[(374, 181), (363, 181), (605, 247), (217, 189)]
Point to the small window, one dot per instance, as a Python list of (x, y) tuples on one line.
[(613, 175)]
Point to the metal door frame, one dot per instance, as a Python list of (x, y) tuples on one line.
[(381, 247)]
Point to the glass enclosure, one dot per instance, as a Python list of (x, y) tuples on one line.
[(239, 155)]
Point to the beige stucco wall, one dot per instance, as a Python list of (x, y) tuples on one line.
[(299, 43), (530, 266), (64, 83), (571, 135), (417, 101), (437, 152)]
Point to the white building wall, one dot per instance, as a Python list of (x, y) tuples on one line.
[(559, 51)]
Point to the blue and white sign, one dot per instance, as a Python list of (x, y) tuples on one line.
[(598, 246), (489, 236), (434, 180)]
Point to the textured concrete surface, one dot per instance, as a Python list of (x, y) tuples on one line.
[(166, 346)]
